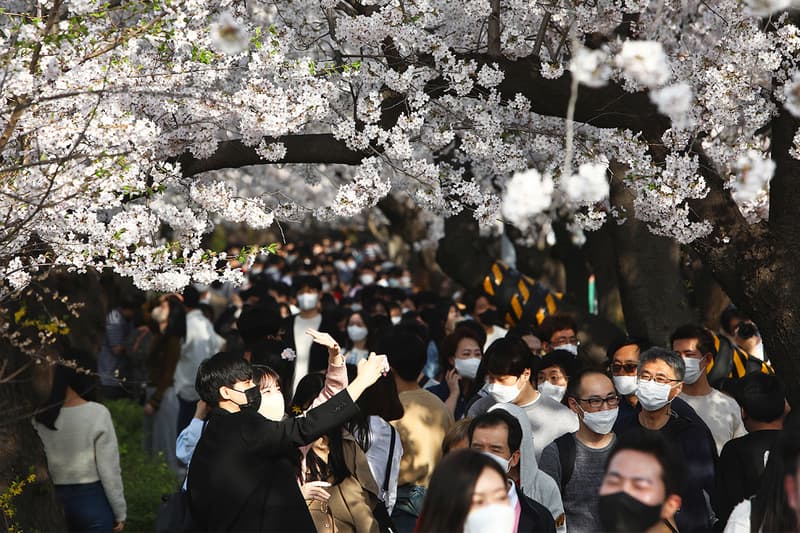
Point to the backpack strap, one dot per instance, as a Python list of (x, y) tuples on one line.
[(566, 456), (389, 462)]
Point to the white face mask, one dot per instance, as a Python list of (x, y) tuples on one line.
[(468, 368), (625, 384), (367, 279), (356, 333), (272, 406), (555, 392), (396, 320), (307, 301), (571, 348), (693, 370), (653, 395), (159, 314), (601, 422), (503, 393), (497, 518), (505, 464)]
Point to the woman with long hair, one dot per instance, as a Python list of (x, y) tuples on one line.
[(357, 339), (81, 449), (377, 438), (468, 493), (168, 322)]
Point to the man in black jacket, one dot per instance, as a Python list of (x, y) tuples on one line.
[(499, 435), (242, 476)]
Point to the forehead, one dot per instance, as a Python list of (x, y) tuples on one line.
[(627, 354), (468, 344), (552, 369), (569, 332), (633, 464), (684, 344), (489, 482), (657, 366), (497, 434), (596, 385)]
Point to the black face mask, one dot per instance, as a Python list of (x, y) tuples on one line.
[(253, 395), (490, 317), (621, 512)]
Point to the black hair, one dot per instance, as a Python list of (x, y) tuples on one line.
[(379, 399), (508, 356), (407, 353), (556, 322), (727, 315), (76, 371), (176, 320), (770, 510), (566, 361), (495, 418), (319, 470), (673, 468), (223, 369), (258, 322), (574, 384), (191, 297), (300, 282), (620, 342), (762, 396), (446, 509), (705, 342), (262, 373), (476, 328)]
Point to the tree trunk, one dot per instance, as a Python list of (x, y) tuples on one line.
[(648, 268)]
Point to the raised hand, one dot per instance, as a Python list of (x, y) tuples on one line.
[(324, 339)]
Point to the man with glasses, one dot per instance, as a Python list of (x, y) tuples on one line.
[(623, 364), (576, 460), (659, 382), (559, 332), (721, 413)]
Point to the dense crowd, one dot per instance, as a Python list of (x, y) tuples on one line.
[(328, 394)]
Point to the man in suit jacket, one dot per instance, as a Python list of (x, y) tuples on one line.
[(242, 475), (308, 356)]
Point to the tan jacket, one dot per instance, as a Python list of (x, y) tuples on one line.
[(352, 500)]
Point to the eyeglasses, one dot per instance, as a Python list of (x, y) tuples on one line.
[(629, 368), (664, 380), (560, 341), (595, 402)]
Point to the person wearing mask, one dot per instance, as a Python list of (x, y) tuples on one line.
[(112, 362), (502, 436), (460, 358), (508, 374), (559, 331), (660, 380), (357, 337), (468, 494), (422, 428), (719, 412), (305, 355), (486, 314), (242, 450), (576, 460), (741, 464), (623, 356), (553, 372), (200, 343), (640, 490), (81, 448)]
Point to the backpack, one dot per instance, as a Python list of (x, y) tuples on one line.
[(731, 363)]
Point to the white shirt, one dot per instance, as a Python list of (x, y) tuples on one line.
[(378, 456), (721, 414), (497, 333), (201, 342), (739, 520), (302, 345)]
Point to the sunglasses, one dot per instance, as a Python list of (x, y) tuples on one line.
[(629, 368)]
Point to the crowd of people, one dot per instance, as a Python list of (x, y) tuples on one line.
[(329, 395)]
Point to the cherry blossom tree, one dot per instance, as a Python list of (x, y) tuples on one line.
[(114, 114)]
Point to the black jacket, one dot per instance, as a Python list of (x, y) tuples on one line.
[(242, 477), (533, 516)]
